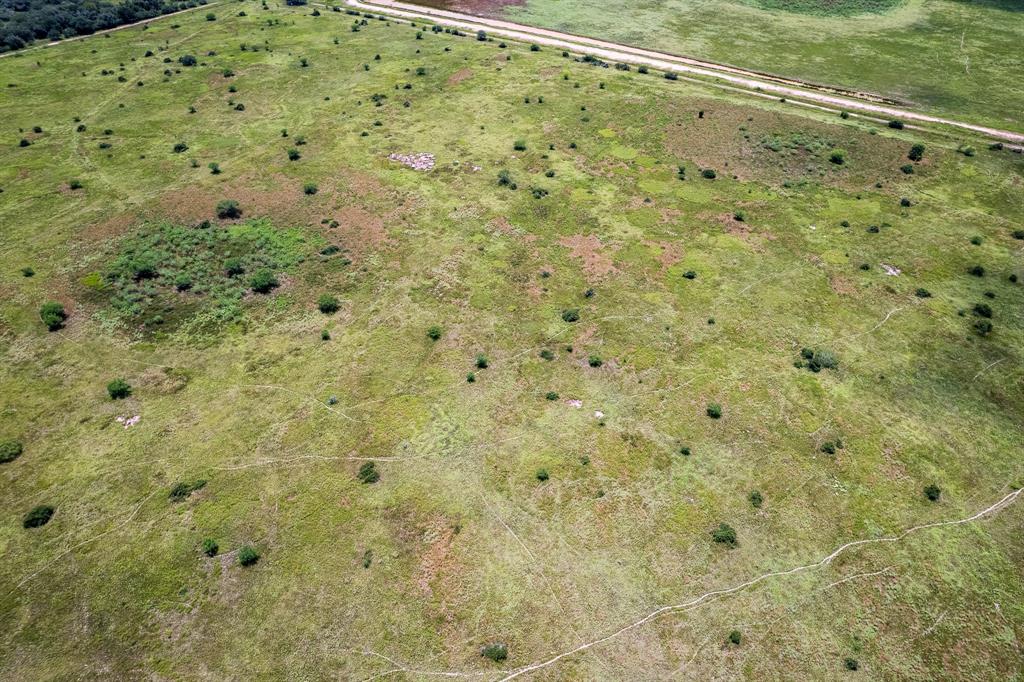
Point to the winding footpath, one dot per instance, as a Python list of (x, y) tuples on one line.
[(751, 81)]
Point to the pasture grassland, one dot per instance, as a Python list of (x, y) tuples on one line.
[(691, 292), (956, 57)]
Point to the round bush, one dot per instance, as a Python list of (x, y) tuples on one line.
[(434, 333), (228, 209), (496, 651), (247, 556), (119, 389), (714, 411), (724, 534), (10, 450), (263, 281), (328, 304), (53, 315), (40, 516), (210, 547)]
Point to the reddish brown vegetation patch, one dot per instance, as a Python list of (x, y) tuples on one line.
[(588, 248), (459, 76)]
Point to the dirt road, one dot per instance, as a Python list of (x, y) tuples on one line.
[(749, 80)]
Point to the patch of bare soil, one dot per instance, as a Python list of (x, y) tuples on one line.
[(459, 76), (669, 253), (589, 249)]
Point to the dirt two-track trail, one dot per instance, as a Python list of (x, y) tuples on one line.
[(750, 81)]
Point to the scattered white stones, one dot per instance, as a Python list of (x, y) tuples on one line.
[(598, 414), (423, 161), (575, 403), (128, 422), (890, 270)]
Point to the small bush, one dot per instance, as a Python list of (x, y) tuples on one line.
[(756, 499), (182, 490), (1017, 234), (983, 327), (40, 516), (233, 267), (547, 355), (905, 202), (551, 395), (571, 315), (838, 157), (708, 174), (519, 145), (595, 361), (470, 378), (851, 663), (907, 169), (74, 184), (247, 556), (505, 179), (976, 270), (434, 333), (214, 168), (690, 274), (983, 310), (932, 492), (228, 209), (896, 124), (187, 60), (179, 147), (10, 450), (542, 475), (368, 473), (310, 189), (263, 281), (714, 410), (724, 534), (481, 361), (916, 152), (210, 16), (497, 652), (210, 547), (684, 451), (53, 315), (119, 389), (294, 155), (735, 637), (923, 293), (328, 304)]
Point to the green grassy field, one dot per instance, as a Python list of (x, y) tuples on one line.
[(497, 509), (956, 57)]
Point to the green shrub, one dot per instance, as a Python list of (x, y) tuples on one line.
[(53, 315), (684, 451), (505, 179), (724, 534), (182, 490), (470, 378), (434, 332), (497, 652), (850, 663), (923, 293), (119, 389), (735, 637), (210, 16), (228, 209), (263, 281), (907, 169), (179, 147), (547, 355), (756, 499), (838, 157), (708, 173), (481, 361), (187, 60), (328, 304), (519, 145), (905, 202), (595, 361), (983, 310), (214, 168), (916, 152), (714, 410), (976, 270), (247, 555), (542, 475), (74, 184), (28, 271), (1017, 234), (571, 314), (551, 395), (932, 492), (983, 327), (690, 274), (310, 189), (39, 516), (10, 450), (368, 473), (896, 124), (325, 335), (294, 155), (210, 547)]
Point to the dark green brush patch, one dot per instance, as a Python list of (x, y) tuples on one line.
[(840, 8), (167, 273)]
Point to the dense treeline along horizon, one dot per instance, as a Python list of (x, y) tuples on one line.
[(24, 21)]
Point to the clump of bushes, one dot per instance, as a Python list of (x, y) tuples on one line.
[(724, 534), (39, 516), (368, 473), (183, 489), (328, 304), (10, 450), (119, 389), (817, 360), (53, 315)]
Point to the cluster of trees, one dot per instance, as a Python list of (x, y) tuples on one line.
[(23, 21)]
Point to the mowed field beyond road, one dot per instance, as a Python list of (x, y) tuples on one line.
[(337, 348)]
